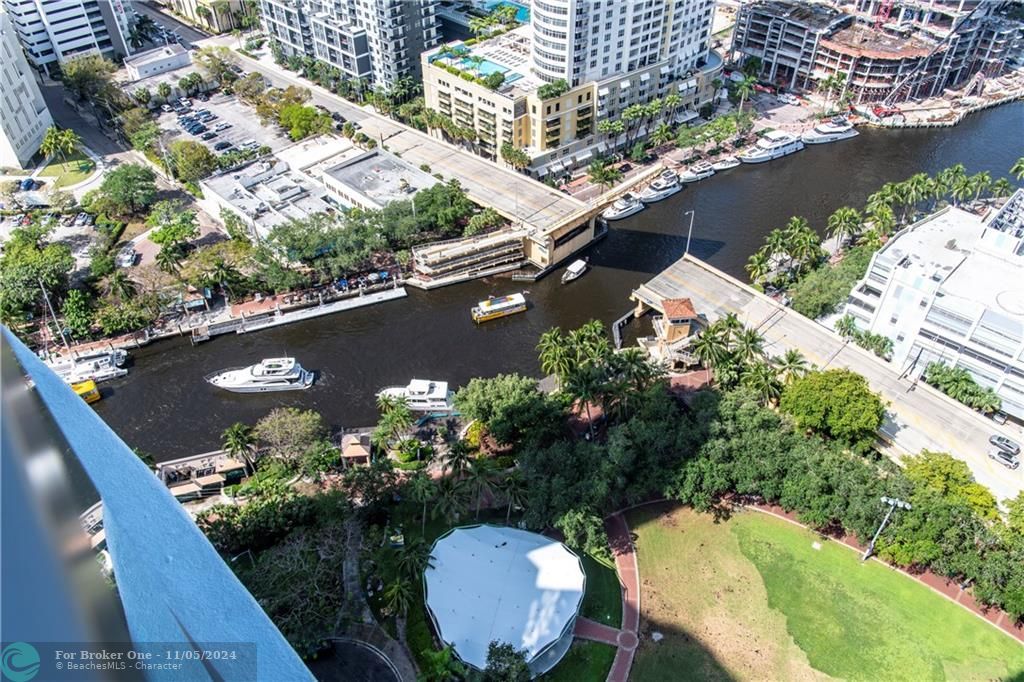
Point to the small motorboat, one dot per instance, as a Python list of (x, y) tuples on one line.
[(664, 186), (698, 171), (574, 271), (87, 390), (725, 163), (272, 374), (623, 207)]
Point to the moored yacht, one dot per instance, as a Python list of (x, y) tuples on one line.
[(698, 171), (838, 128), (664, 186), (422, 395), (623, 207), (272, 374), (96, 366), (774, 145), (725, 163)]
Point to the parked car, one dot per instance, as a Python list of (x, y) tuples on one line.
[(223, 144), (126, 257), (999, 417), (1005, 458), (165, 107), (337, 117), (223, 125), (208, 135), (196, 129), (1004, 444), (204, 97)]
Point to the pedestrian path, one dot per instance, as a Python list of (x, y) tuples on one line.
[(626, 637)]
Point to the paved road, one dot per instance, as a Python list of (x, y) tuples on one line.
[(918, 418), (512, 194), (188, 34)]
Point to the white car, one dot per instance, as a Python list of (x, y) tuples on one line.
[(126, 257)]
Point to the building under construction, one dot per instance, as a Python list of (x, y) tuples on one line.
[(881, 50)]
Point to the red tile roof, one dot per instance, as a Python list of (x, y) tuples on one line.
[(676, 308)]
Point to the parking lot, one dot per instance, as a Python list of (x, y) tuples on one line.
[(79, 235), (238, 121)]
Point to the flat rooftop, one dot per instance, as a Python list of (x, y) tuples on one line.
[(863, 40), (814, 16), (381, 177), (156, 54)]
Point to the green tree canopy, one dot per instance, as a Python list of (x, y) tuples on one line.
[(174, 224), (127, 189), (191, 161), (288, 433), (511, 407), (837, 403)]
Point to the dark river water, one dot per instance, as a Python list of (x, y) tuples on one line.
[(164, 406)]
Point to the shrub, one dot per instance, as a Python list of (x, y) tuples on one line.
[(550, 90)]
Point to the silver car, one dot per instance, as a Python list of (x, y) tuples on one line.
[(1004, 444), (1005, 458)]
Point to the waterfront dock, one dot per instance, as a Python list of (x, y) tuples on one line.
[(279, 318), (919, 418)]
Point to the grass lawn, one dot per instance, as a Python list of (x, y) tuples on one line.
[(602, 600), (77, 168), (584, 662), (751, 598)]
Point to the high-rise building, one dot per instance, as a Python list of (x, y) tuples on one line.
[(54, 31), (576, 64), (871, 46), (377, 40), (946, 289), (24, 117)]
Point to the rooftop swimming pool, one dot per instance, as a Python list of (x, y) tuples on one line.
[(522, 11)]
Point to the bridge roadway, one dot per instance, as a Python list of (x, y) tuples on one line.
[(515, 195), (918, 417)]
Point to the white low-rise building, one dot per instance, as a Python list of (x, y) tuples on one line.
[(950, 288), (156, 61), (24, 117)]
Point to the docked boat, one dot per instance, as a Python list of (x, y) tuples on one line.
[(664, 186), (97, 366), (774, 145), (725, 163), (501, 306), (837, 128), (272, 374), (623, 207), (698, 171), (87, 391), (574, 271), (423, 396)]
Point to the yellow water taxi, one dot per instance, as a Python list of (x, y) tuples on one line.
[(502, 306), (87, 390)]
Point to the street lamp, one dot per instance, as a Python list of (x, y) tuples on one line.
[(893, 504), (689, 232)]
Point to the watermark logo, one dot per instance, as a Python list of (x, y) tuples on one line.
[(20, 662)]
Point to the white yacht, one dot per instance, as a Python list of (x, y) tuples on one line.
[(838, 128), (575, 270), (272, 374), (96, 366), (623, 207), (774, 145), (664, 186), (725, 163), (698, 171), (423, 396)]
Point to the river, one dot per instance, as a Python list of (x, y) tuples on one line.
[(164, 407)]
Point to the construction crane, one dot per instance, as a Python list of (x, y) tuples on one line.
[(888, 104)]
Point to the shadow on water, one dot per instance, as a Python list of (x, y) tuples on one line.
[(166, 408)]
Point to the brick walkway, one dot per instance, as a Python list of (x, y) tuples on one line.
[(626, 638)]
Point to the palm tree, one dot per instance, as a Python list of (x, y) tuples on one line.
[(413, 558), (962, 189), (168, 259), (458, 458), (120, 286), (1001, 188), (237, 441), (399, 594), (422, 489), (763, 380), (602, 174), (980, 183), (164, 91), (883, 220), (1017, 169), (830, 86), (513, 487), (845, 223), (554, 353), (745, 88), (479, 477), (711, 348), (791, 365), (672, 102), (846, 327), (52, 143), (749, 345), (440, 666), (585, 386), (451, 499), (662, 134), (758, 266)]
